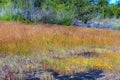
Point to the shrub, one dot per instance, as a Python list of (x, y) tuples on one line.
[(117, 27), (61, 12)]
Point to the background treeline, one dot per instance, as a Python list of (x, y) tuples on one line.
[(63, 12)]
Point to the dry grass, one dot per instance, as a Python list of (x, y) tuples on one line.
[(20, 38), (60, 48)]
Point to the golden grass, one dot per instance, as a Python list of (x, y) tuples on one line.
[(107, 61), (21, 38), (18, 38)]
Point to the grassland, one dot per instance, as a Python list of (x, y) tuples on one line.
[(66, 50)]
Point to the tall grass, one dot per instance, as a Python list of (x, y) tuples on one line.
[(66, 50), (20, 38)]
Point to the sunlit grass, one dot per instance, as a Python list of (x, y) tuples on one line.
[(59, 48), (107, 61), (15, 37)]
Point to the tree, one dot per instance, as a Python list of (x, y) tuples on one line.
[(102, 7), (85, 13)]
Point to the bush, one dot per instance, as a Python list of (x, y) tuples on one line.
[(6, 11), (62, 12), (117, 27), (64, 17)]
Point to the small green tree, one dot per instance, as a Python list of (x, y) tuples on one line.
[(86, 9), (102, 7)]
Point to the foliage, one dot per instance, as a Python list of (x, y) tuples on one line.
[(117, 27), (58, 11)]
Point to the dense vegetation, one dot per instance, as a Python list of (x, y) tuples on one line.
[(57, 11)]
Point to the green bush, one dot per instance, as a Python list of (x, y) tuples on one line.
[(117, 27), (62, 12), (65, 17)]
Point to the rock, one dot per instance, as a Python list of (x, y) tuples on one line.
[(102, 24), (80, 23), (112, 76)]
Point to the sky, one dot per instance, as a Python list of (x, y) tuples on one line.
[(113, 1)]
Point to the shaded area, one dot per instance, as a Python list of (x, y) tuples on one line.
[(90, 75)]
